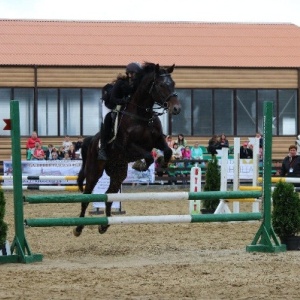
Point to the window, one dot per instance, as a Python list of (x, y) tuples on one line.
[(223, 112), (182, 123), (47, 112), (287, 109), (69, 112), (246, 112), (91, 111), (25, 97), (5, 109), (202, 112)]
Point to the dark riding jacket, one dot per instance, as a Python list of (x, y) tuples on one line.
[(290, 167)]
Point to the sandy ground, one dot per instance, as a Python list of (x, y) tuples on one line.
[(170, 261)]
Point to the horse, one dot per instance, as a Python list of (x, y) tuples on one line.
[(139, 131)]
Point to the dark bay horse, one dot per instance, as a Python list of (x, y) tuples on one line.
[(139, 131)]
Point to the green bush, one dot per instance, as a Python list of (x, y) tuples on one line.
[(212, 183), (3, 225), (286, 210)]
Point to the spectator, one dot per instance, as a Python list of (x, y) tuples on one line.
[(54, 156), (66, 143), (213, 145), (177, 154), (223, 142), (291, 164), (169, 141), (186, 153), (38, 153), (30, 144), (246, 152), (196, 152), (60, 152), (258, 135), (49, 151), (78, 155), (181, 141), (72, 152), (78, 144), (66, 156)]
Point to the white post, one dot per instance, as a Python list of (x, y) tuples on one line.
[(255, 205), (236, 172), (223, 207), (195, 186)]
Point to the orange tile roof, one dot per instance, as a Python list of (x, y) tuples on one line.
[(78, 43)]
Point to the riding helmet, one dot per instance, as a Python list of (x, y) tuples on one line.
[(133, 67)]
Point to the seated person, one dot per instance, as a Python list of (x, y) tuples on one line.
[(213, 145), (54, 156), (176, 152), (38, 153), (49, 152), (291, 163), (30, 144), (223, 142), (246, 152), (197, 152)]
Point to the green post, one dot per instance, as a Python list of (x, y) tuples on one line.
[(263, 239), (20, 251)]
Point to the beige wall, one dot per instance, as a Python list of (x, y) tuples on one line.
[(184, 77)]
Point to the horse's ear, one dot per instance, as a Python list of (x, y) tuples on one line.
[(171, 69), (157, 68)]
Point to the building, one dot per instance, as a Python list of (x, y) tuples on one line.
[(224, 72)]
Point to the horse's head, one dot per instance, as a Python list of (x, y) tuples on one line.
[(163, 90), (157, 86)]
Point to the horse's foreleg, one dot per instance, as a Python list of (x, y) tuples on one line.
[(78, 230)]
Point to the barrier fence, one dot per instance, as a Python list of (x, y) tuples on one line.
[(265, 239)]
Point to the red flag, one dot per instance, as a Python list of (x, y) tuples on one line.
[(8, 124)]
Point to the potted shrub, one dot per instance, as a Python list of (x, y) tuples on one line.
[(286, 214), (212, 183), (3, 225)]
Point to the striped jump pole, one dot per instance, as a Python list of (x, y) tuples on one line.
[(70, 188), (175, 196), (163, 219), (284, 179), (41, 177)]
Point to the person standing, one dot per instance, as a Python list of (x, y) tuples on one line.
[(291, 164), (246, 152), (181, 141)]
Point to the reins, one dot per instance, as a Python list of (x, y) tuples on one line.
[(154, 114)]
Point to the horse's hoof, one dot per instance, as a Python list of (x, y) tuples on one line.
[(103, 228), (76, 233), (140, 166)]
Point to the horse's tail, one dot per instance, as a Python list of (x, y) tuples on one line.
[(84, 151)]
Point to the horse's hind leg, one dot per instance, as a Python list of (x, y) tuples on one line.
[(117, 175)]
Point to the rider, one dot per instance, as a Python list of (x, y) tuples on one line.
[(122, 90)]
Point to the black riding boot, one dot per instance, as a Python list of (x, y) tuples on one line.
[(102, 150)]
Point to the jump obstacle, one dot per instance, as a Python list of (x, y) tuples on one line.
[(265, 239)]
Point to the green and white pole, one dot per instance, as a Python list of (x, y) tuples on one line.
[(265, 236)]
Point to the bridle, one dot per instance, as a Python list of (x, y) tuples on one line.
[(156, 95), (154, 89)]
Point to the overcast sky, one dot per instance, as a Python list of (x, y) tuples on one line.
[(248, 11)]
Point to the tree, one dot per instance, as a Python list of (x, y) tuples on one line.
[(212, 183)]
